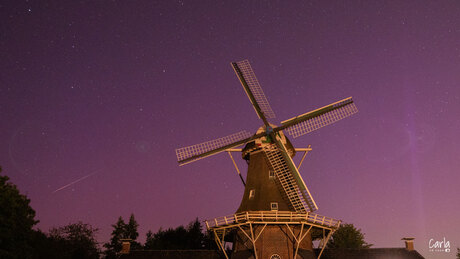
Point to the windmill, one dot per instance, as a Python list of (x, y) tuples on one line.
[(276, 215)]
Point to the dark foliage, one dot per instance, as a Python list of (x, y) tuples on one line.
[(318, 233), (16, 222), (180, 238), (347, 236), (131, 233), (74, 241), (121, 230), (114, 245), (209, 242), (19, 240)]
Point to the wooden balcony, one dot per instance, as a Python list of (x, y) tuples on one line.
[(273, 217)]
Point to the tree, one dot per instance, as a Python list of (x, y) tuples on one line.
[(75, 241), (16, 221), (194, 235), (131, 232), (347, 236), (121, 230), (180, 238), (209, 242), (170, 239), (114, 246), (318, 233), (149, 240), (458, 253), (131, 228)]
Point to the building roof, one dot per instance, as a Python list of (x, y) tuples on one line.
[(172, 254), (371, 253)]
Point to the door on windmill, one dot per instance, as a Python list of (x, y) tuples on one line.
[(274, 206)]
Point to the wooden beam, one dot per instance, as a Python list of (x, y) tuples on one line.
[(325, 243), (216, 237), (236, 167)]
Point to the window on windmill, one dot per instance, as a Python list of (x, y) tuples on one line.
[(271, 174), (252, 193), (274, 205)]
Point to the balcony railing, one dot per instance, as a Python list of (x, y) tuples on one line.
[(272, 216)]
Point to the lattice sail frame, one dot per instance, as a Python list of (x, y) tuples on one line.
[(249, 76), (190, 151), (299, 197), (337, 111)]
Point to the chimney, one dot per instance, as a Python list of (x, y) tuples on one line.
[(125, 246), (409, 241)]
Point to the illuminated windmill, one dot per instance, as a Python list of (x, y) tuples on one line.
[(275, 217)]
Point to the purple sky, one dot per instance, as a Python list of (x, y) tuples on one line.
[(104, 91)]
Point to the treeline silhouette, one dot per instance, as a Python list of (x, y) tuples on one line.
[(18, 239), (180, 238), (190, 237)]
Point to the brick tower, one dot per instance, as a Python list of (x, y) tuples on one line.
[(264, 192)]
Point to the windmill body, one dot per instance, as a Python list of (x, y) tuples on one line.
[(276, 214), (262, 191)]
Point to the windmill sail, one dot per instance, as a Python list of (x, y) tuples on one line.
[(289, 178), (319, 118), (252, 87), (189, 154)]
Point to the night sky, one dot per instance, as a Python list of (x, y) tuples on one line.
[(95, 96)]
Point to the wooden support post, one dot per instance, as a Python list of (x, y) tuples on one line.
[(244, 232), (258, 235), (253, 241), (301, 161), (325, 243), (290, 230), (236, 167), (305, 234), (219, 243), (298, 241)]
